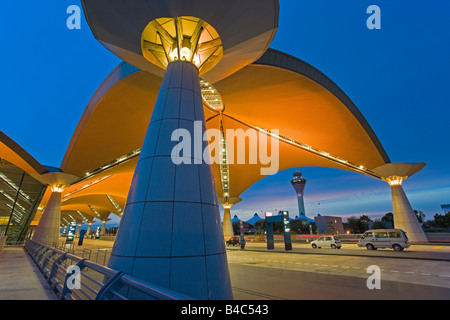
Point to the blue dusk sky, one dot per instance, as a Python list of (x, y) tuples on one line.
[(397, 76)]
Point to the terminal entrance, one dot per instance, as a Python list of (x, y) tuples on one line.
[(283, 217)]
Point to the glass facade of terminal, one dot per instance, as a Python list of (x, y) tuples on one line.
[(20, 195)]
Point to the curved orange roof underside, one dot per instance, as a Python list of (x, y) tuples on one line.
[(115, 126), (301, 109), (258, 95)]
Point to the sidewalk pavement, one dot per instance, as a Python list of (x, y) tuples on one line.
[(20, 279)]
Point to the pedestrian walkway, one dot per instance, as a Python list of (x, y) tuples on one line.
[(20, 279)]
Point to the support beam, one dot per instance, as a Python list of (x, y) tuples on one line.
[(227, 225), (170, 233), (48, 229), (404, 216)]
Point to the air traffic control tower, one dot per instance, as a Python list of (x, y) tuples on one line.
[(298, 182)]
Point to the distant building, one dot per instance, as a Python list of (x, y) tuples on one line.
[(329, 224)]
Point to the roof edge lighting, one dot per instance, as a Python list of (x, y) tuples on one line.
[(211, 96)]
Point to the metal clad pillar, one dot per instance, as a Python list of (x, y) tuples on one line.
[(170, 233)]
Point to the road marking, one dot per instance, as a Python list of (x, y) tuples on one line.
[(409, 272), (443, 275), (394, 271), (425, 274)]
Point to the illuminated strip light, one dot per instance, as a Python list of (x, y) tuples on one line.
[(114, 203), (224, 169), (11, 184), (86, 186), (16, 215), (211, 97), (82, 216), (213, 100), (320, 153), (111, 164), (13, 200), (95, 211)]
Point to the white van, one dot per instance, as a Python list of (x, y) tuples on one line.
[(384, 238)]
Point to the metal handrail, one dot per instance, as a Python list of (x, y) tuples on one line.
[(102, 283), (89, 253)]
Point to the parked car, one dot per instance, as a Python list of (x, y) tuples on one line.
[(327, 242), (384, 238), (234, 241)]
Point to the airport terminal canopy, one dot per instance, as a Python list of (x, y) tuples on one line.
[(257, 88), (105, 147), (244, 86)]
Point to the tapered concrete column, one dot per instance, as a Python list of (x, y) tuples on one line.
[(103, 229), (227, 225), (170, 233), (88, 232), (404, 216), (48, 229), (78, 229)]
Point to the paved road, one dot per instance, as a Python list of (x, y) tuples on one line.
[(420, 272), (256, 283), (426, 252), (267, 275)]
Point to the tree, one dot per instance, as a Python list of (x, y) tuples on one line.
[(352, 224), (330, 229), (357, 225), (442, 221), (420, 216), (378, 224), (429, 225), (364, 221), (299, 226), (388, 217)]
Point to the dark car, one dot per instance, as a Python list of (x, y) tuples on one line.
[(234, 241)]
